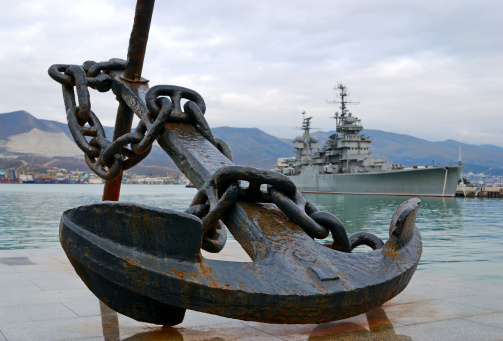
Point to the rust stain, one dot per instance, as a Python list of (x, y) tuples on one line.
[(391, 252), (178, 273), (130, 261)]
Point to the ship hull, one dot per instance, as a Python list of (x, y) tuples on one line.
[(433, 181)]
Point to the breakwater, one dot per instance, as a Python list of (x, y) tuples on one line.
[(479, 192)]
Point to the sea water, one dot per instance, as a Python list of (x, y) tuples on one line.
[(462, 237)]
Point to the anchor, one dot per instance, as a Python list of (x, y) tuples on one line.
[(146, 262)]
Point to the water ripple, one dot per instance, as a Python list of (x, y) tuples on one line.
[(462, 237)]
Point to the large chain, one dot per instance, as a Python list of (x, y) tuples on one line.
[(108, 158), (219, 194), (223, 189)]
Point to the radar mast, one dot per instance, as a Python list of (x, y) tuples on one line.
[(306, 143), (343, 102)]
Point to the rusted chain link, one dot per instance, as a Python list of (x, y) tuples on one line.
[(105, 158), (211, 208), (192, 113), (365, 238), (221, 192), (96, 73)]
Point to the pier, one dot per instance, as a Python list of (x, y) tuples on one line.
[(480, 192), (42, 298)]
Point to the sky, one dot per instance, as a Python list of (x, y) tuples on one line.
[(425, 68)]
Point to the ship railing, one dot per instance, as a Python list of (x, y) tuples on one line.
[(350, 127)]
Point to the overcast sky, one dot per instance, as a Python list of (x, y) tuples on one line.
[(431, 69)]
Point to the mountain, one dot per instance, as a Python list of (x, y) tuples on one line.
[(21, 133), (253, 147), (492, 147), (26, 140), (19, 122), (409, 150)]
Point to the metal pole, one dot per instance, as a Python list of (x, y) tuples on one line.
[(138, 40), (134, 66)]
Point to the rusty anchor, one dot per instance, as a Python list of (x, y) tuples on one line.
[(146, 262)]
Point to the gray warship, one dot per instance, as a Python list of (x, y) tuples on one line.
[(345, 166)]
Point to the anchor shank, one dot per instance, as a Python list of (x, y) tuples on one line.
[(199, 159)]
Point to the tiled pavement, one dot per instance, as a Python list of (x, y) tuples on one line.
[(41, 298)]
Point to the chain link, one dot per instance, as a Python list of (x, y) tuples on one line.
[(96, 73), (79, 130), (211, 208), (365, 238), (192, 113)]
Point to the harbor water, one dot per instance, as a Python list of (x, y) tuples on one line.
[(462, 237)]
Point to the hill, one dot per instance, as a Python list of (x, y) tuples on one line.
[(409, 150), (26, 140), (253, 147)]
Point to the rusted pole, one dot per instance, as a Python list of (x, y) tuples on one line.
[(134, 66)]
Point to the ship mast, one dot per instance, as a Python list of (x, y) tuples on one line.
[(343, 102), (349, 141), (305, 144), (306, 127)]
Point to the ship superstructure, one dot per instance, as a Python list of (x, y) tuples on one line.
[(345, 164)]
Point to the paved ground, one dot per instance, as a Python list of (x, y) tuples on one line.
[(41, 298)]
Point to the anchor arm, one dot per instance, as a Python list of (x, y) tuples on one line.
[(292, 285)]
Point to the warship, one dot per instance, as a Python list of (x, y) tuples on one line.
[(345, 165)]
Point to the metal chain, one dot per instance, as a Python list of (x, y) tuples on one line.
[(105, 158), (192, 113), (217, 196), (211, 208), (318, 223)]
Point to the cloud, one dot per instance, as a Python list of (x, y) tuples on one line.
[(416, 67)]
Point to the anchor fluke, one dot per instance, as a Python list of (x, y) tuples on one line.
[(101, 237), (402, 223)]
